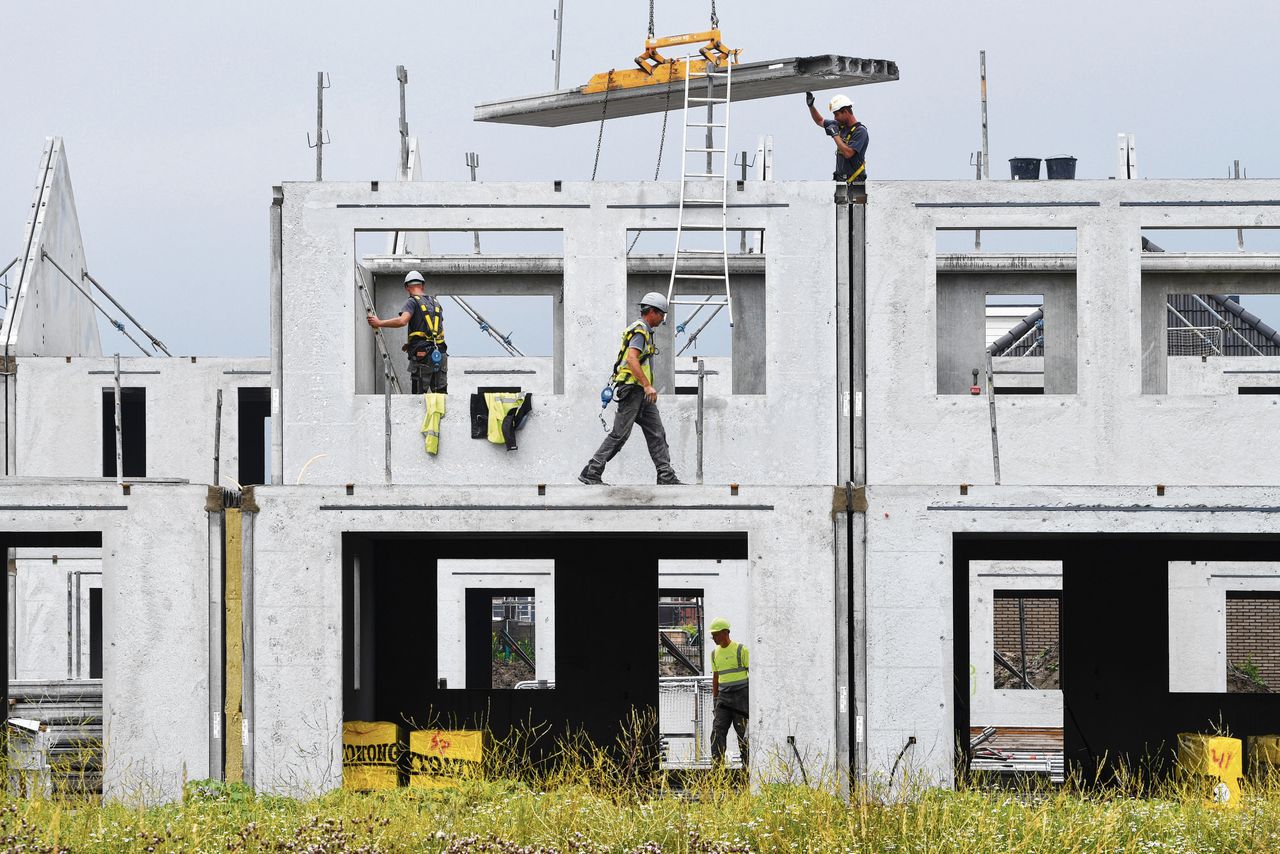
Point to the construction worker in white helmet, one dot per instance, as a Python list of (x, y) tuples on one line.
[(637, 399), (850, 136), (426, 347), (730, 682)]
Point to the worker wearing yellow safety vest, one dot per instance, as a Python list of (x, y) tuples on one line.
[(730, 667), (850, 136), (637, 399), (428, 353)]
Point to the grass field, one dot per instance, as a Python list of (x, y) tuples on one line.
[(582, 816)]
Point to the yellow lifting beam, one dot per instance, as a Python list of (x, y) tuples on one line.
[(654, 68)]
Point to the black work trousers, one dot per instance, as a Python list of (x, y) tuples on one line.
[(731, 709)]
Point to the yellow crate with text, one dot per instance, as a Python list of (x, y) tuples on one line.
[(371, 752), (1264, 755), (1216, 758), (438, 758)]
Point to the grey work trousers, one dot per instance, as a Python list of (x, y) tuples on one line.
[(634, 409), (731, 708)]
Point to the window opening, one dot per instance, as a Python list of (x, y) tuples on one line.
[(1253, 641), (253, 435), (133, 431), (1025, 639), (513, 655)]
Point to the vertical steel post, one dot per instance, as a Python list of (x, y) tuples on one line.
[(1022, 639), (217, 440), (986, 156), (70, 673), (559, 36), (319, 125), (386, 419), (977, 232), (1239, 231), (991, 406), (119, 441), (473, 161), (702, 374), (78, 622), (403, 77)]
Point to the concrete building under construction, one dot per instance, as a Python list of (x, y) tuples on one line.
[(879, 487)]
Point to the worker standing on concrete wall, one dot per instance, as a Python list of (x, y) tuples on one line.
[(850, 135), (730, 667), (637, 399), (428, 353)]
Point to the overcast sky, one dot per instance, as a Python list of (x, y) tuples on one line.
[(178, 118)]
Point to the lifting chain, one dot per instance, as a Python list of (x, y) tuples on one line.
[(715, 19), (650, 18), (662, 141), (604, 114)]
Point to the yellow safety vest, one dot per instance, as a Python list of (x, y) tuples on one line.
[(500, 403), (430, 320), (434, 403), (621, 370), (731, 664)]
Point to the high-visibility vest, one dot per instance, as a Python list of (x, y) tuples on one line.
[(500, 403), (731, 664), (434, 403), (621, 370), (428, 321)]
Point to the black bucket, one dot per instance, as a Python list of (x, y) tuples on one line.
[(1024, 168), (1061, 168)]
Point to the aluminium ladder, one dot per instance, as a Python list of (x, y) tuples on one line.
[(704, 196)]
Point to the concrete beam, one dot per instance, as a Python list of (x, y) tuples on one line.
[(751, 80), (1053, 262), (544, 265)]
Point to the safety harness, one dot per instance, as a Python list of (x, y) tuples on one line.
[(846, 137), (621, 372), (428, 321)]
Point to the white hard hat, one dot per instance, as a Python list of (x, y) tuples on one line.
[(656, 300), (413, 276), (839, 102)]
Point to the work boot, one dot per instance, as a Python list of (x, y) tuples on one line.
[(590, 479), (669, 480)]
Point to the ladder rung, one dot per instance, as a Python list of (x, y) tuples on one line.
[(715, 276), (709, 100), (703, 175), (712, 303), (706, 150), (706, 124), (688, 227), (703, 251)]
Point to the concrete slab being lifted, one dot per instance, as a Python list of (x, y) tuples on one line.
[(751, 80)]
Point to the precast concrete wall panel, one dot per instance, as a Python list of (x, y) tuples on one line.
[(155, 620), (745, 439), (1109, 431), (911, 530), (59, 431), (46, 314), (297, 629)]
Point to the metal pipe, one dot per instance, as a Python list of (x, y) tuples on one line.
[(702, 376), (1224, 322), (386, 420), (991, 407), (1022, 639), (69, 671), (79, 669), (319, 125), (694, 336), (8, 267), (119, 438), (117, 324), (153, 339), (504, 341)]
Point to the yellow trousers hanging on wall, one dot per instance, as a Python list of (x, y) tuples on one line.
[(434, 404)]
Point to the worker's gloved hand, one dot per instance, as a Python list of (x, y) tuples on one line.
[(808, 98), (831, 131), (373, 320)]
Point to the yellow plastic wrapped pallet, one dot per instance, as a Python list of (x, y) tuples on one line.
[(371, 754), (439, 757), (1217, 758), (1264, 754)]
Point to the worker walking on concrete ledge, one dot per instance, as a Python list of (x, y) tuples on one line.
[(428, 353), (636, 397), (850, 136), (730, 666)]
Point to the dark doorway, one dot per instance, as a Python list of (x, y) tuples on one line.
[(95, 633), (253, 407), (133, 431), (1114, 669), (605, 587)]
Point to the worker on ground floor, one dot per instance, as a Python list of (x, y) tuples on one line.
[(850, 136), (637, 399), (730, 666), (428, 353)]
